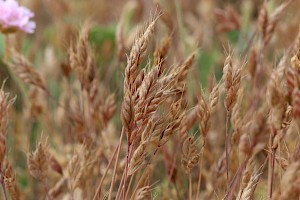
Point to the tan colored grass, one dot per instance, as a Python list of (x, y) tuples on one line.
[(37, 162), (59, 188), (175, 125), (248, 192), (137, 159), (132, 82), (25, 71), (75, 173), (81, 58), (5, 103), (10, 181), (190, 154)]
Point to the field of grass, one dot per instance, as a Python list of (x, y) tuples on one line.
[(141, 99)]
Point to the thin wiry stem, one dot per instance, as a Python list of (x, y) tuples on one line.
[(190, 186), (126, 168), (119, 190), (200, 168), (98, 191), (124, 177), (116, 164), (272, 173), (129, 185), (233, 183), (226, 146), (272, 164)]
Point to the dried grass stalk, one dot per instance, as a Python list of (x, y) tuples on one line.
[(132, 79)]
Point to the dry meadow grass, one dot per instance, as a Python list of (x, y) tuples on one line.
[(152, 100)]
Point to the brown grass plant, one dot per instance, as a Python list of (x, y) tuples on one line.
[(138, 113)]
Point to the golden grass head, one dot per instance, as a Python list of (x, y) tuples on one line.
[(37, 162)]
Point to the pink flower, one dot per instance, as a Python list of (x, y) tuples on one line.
[(14, 17)]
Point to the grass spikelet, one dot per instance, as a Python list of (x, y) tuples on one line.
[(144, 192), (137, 54), (263, 20), (190, 158), (228, 72), (173, 124), (25, 71), (81, 58), (232, 80), (188, 122), (268, 23), (185, 67), (248, 192), (190, 154), (144, 180), (160, 54), (38, 164), (148, 90), (10, 181), (131, 86), (204, 115), (109, 108), (5, 104), (233, 89), (75, 173), (246, 177), (213, 98), (137, 159)]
